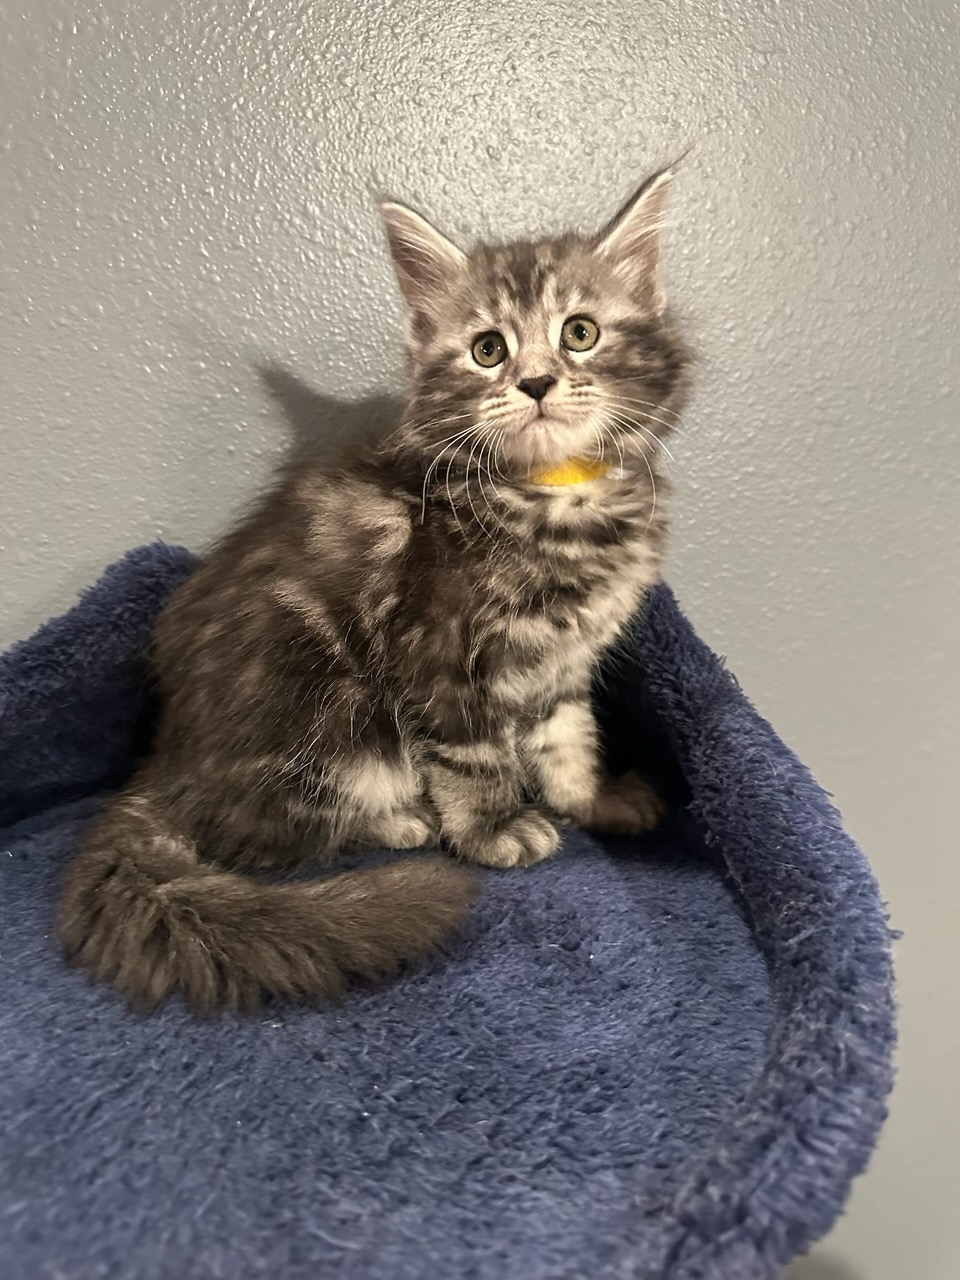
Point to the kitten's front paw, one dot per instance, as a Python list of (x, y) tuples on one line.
[(528, 838), (627, 805), (410, 828)]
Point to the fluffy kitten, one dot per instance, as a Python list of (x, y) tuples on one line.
[(398, 650)]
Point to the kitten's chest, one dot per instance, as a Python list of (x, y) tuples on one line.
[(582, 607), (578, 583)]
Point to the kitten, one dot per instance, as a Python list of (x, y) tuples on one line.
[(398, 650)]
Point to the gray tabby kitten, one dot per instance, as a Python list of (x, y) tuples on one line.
[(398, 650)]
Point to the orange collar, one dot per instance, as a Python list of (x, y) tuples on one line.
[(571, 471)]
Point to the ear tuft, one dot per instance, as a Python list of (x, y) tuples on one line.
[(425, 261), (631, 239)]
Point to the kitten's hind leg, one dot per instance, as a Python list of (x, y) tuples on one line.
[(563, 760), (627, 805)]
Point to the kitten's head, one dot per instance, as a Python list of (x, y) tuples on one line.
[(540, 351)]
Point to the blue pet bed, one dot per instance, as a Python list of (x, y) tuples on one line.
[(664, 1057)]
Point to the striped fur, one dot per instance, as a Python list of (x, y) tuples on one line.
[(398, 649)]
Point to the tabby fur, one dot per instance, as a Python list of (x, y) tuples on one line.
[(397, 650)]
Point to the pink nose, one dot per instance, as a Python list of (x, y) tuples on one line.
[(536, 388)]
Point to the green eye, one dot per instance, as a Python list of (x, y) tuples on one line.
[(579, 333), (490, 349)]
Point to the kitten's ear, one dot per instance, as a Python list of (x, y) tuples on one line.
[(425, 261), (631, 239)]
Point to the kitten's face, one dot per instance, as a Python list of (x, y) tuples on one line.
[(525, 355)]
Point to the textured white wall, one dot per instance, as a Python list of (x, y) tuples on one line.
[(186, 201)]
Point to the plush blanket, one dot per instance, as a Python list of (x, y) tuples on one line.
[(662, 1057)]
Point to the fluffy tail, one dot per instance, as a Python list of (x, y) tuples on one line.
[(142, 912)]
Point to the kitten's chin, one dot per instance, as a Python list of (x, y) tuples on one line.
[(548, 441)]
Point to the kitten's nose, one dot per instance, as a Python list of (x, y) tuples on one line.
[(536, 388)]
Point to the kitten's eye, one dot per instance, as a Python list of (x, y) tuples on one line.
[(490, 349), (579, 333)]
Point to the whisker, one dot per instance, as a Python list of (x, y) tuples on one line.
[(488, 450), (645, 434), (633, 425), (653, 492), (477, 444), (475, 430), (647, 408), (507, 480), (453, 506), (444, 420), (496, 457), (456, 435), (632, 408), (639, 402), (649, 404), (459, 437), (605, 426)]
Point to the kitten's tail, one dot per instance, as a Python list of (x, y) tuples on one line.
[(142, 912)]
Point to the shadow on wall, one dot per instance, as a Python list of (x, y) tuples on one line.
[(319, 424), (821, 1266)]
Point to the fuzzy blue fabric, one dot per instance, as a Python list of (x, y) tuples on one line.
[(664, 1057)]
